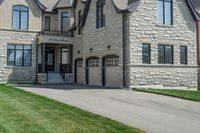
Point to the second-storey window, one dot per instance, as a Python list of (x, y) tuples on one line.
[(79, 21), (20, 17), (47, 22), (19, 55), (164, 12), (64, 21), (165, 54), (100, 20)]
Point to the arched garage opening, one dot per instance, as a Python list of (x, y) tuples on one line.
[(111, 76), (93, 71)]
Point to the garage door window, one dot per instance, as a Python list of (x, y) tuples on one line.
[(79, 64), (93, 63), (112, 62)]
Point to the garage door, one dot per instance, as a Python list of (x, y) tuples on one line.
[(80, 72), (112, 72), (94, 76)]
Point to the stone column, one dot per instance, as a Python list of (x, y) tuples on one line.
[(43, 58)]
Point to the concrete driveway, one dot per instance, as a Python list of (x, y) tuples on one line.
[(150, 112)]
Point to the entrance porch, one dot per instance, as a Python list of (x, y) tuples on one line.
[(54, 63)]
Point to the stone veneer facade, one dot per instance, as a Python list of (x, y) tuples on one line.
[(144, 29)]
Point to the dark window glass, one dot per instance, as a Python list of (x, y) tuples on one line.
[(164, 12), (20, 17), (47, 23), (165, 54), (100, 19), (64, 21), (146, 53), (183, 55), (19, 55), (79, 21)]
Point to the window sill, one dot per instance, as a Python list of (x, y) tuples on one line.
[(100, 29), (165, 26), (13, 67)]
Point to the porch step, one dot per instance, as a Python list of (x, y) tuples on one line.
[(55, 78)]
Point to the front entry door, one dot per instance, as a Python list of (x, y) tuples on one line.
[(50, 59)]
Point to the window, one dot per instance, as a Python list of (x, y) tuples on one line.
[(79, 64), (47, 22), (93, 63), (19, 55), (64, 21), (100, 20), (165, 54), (112, 62), (183, 55), (164, 12), (79, 21), (20, 17), (65, 57), (146, 53)]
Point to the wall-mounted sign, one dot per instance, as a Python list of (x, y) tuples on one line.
[(55, 39)]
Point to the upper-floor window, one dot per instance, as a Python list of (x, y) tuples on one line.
[(64, 21), (164, 12), (79, 21), (20, 17), (100, 20), (165, 54), (47, 22)]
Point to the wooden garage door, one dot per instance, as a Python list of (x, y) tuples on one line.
[(112, 72), (80, 72), (94, 72)]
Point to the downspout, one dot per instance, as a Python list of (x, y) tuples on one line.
[(124, 49)]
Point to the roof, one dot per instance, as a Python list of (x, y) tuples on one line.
[(63, 4), (49, 4)]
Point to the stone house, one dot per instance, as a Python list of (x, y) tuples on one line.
[(114, 43)]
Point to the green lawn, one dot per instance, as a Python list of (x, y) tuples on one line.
[(184, 94), (23, 112)]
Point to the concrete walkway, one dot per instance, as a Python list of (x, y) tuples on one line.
[(150, 112)]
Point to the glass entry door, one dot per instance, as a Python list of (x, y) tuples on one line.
[(50, 59)]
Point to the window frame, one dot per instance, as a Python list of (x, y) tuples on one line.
[(23, 51), (100, 16), (185, 55), (149, 53), (164, 54), (20, 12), (62, 18), (163, 19), (47, 17), (79, 21)]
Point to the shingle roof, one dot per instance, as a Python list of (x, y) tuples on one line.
[(49, 4)]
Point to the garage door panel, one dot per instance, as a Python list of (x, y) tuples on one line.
[(80, 72), (112, 72), (94, 72)]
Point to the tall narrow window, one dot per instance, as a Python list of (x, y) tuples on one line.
[(164, 12), (20, 17), (79, 21), (18, 55), (146, 53), (47, 22), (64, 21), (165, 54), (183, 55), (100, 20)]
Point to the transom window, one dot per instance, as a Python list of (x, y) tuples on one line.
[(112, 62), (93, 63), (100, 20), (47, 22), (165, 54), (20, 17), (164, 12), (19, 55)]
